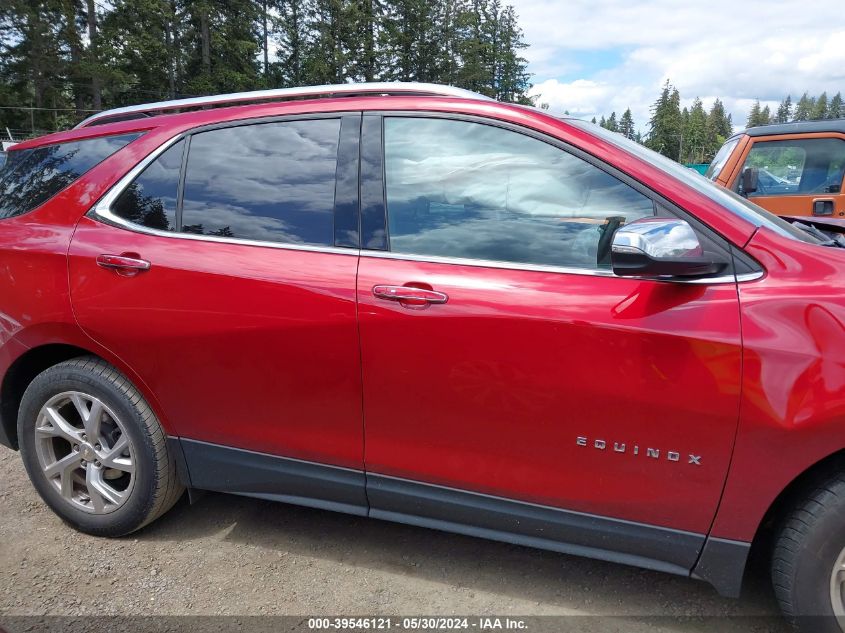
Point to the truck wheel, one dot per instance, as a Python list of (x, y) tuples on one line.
[(808, 560), (94, 450)]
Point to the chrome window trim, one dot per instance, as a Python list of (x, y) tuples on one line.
[(102, 210), (565, 270)]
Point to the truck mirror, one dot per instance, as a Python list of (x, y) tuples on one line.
[(748, 183)]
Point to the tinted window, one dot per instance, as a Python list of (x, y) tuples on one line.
[(30, 177), (797, 166), (468, 190), (272, 182), (737, 205), (151, 199)]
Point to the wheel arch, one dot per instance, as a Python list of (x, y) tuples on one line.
[(793, 493), (31, 362)]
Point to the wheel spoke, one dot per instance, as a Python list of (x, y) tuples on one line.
[(61, 467), (59, 427), (92, 422), (90, 417), (99, 491), (114, 458)]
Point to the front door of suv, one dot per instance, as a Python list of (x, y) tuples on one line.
[(501, 355), (244, 325)]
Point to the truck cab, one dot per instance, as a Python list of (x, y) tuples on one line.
[(791, 169)]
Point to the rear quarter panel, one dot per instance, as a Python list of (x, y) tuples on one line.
[(35, 307)]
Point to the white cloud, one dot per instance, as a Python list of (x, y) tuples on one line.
[(737, 51)]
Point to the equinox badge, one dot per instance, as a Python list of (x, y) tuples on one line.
[(634, 449)]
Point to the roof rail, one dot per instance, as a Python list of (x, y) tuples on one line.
[(351, 89)]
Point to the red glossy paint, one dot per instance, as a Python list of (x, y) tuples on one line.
[(491, 390), (260, 348), (793, 404), (247, 346)]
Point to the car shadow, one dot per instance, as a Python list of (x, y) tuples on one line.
[(570, 583)]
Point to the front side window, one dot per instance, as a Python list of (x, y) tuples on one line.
[(271, 182), (150, 200), (474, 191), (797, 167), (721, 158), (30, 177)]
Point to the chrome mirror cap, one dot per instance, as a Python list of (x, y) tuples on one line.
[(659, 238), (660, 248)]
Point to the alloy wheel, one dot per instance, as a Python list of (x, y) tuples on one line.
[(837, 589), (84, 452)]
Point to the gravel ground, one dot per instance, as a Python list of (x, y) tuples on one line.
[(236, 556)]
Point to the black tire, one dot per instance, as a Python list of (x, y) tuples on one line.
[(806, 548), (156, 485)]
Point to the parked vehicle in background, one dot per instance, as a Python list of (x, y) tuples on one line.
[(556, 337), (791, 169)]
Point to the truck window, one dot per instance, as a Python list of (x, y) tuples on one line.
[(721, 158), (797, 166)]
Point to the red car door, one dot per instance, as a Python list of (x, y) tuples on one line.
[(232, 295), (501, 355)]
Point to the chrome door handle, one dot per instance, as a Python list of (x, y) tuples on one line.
[(123, 263), (409, 294)]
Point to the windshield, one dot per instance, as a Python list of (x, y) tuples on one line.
[(730, 201), (721, 158)]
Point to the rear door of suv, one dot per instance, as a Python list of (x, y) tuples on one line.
[(224, 274)]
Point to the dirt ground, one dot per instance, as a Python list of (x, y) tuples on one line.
[(230, 555)]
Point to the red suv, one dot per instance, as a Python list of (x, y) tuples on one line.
[(413, 303)]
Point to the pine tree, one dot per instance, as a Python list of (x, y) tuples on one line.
[(820, 108), (410, 40), (222, 46), (512, 79), (32, 63), (626, 124), (835, 108), (612, 124), (754, 115), (695, 134), (719, 125), (142, 41), (784, 111), (292, 41), (366, 58), (327, 53), (665, 126), (759, 116), (804, 108)]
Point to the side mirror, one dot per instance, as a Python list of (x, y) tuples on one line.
[(748, 180), (660, 248)]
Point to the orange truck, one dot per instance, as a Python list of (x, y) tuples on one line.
[(791, 169)]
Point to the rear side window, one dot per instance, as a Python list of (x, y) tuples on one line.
[(30, 177), (467, 190), (151, 198), (273, 182)]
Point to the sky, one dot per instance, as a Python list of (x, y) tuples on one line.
[(591, 57)]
